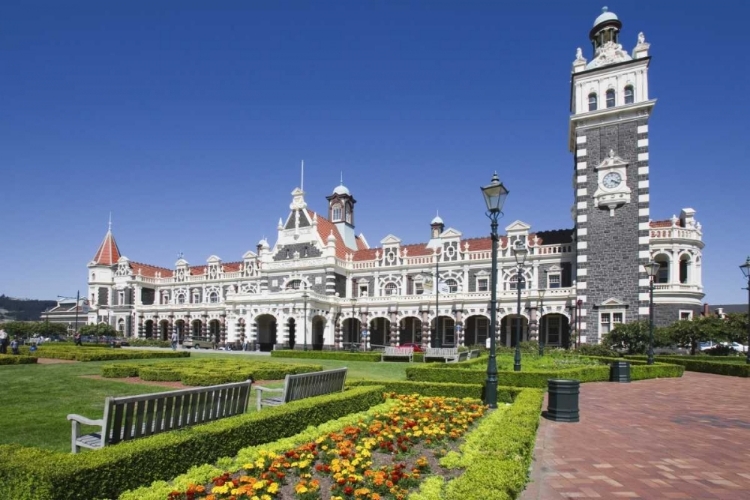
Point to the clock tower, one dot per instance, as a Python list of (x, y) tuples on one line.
[(608, 136)]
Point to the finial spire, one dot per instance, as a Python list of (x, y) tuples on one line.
[(302, 179), (342, 177), (605, 9), (109, 227)]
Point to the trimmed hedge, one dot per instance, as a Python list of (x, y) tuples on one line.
[(506, 378), (704, 365), (76, 353), (13, 359), (340, 355), (641, 370), (504, 394), (495, 456), (32, 473)]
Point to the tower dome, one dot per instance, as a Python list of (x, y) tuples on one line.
[(437, 220), (341, 189), (263, 243), (606, 15)]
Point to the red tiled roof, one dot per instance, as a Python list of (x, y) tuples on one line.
[(150, 271), (325, 227), (108, 253), (230, 267), (660, 223)]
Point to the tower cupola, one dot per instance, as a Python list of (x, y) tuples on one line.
[(341, 213), (606, 30)]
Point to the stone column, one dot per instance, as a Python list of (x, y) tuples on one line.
[(223, 329)]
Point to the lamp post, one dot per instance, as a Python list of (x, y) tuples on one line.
[(542, 291), (579, 305), (494, 196), (351, 330), (746, 271), (305, 296), (652, 269), (519, 252)]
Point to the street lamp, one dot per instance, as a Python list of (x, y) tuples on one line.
[(494, 196), (305, 296), (351, 329), (520, 252), (652, 269), (542, 291), (746, 271)]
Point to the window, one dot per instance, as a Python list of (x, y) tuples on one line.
[(348, 214), (611, 98), (483, 285), (196, 297), (593, 105), (93, 276), (294, 285), (363, 290), (684, 270), (181, 298), (418, 288), (483, 330), (553, 325), (514, 280), (686, 315), (452, 285), (213, 297), (390, 289), (336, 213), (121, 297), (553, 281), (608, 321), (663, 275), (629, 97)]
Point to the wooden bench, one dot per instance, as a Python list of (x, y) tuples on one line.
[(462, 356), (303, 385), (131, 417), (474, 354), (445, 353), (398, 352)]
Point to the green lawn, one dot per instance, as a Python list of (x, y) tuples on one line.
[(37, 398)]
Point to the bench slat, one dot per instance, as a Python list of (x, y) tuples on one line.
[(139, 423), (114, 437)]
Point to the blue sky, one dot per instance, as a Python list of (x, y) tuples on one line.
[(188, 121)]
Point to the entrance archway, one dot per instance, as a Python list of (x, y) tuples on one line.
[(266, 332), (196, 329), (446, 336), (378, 331), (180, 328), (318, 332), (351, 330), (214, 331), (476, 330), (149, 328), (410, 330), (164, 329), (508, 327)]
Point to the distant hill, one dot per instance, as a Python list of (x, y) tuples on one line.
[(23, 309)]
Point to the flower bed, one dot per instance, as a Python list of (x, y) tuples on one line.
[(382, 456)]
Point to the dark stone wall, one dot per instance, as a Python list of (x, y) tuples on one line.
[(613, 266), (306, 251), (103, 299), (666, 314), (148, 296)]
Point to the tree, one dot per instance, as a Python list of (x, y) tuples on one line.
[(690, 332), (734, 327), (99, 330), (46, 329), (633, 337)]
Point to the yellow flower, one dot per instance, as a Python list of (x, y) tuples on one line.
[(221, 489), (273, 488), (300, 489), (248, 466), (259, 485)]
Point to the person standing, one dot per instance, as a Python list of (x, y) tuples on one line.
[(3, 341), (175, 338)]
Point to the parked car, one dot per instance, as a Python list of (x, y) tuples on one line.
[(704, 346), (414, 345), (736, 346)]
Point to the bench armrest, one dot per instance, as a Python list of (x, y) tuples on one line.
[(85, 421), (260, 388)]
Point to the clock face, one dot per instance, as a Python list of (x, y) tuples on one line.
[(611, 180)]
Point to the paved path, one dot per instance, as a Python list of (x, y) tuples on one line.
[(686, 438)]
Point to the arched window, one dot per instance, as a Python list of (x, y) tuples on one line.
[(213, 297), (294, 285), (93, 276), (390, 289), (514, 282), (452, 285), (336, 213), (663, 274), (611, 98), (181, 298), (684, 268), (593, 104), (629, 96)]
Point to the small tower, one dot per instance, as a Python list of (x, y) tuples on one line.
[(341, 213), (608, 136)]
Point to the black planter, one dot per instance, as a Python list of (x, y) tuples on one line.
[(563, 400), (619, 371)]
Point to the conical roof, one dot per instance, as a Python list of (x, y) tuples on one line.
[(108, 253)]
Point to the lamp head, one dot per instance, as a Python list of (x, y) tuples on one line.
[(746, 268), (520, 252), (494, 195), (652, 268)]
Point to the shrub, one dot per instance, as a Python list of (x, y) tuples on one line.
[(11, 359), (708, 365), (506, 378), (149, 343), (597, 350), (338, 355), (504, 394)]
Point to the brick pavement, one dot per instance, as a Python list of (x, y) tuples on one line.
[(686, 438)]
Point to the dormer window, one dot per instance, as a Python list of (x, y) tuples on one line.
[(336, 213), (593, 104), (611, 98), (629, 96)]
